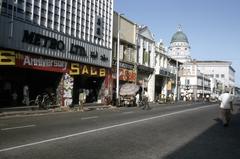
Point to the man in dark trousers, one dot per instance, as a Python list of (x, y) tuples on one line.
[(226, 106), (145, 99)]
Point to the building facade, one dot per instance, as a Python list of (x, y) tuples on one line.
[(127, 49), (146, 60), (161, 71), (165, 74), (194, 84), (60, 46), (222, 71)]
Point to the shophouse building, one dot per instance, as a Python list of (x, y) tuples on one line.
[(165, 73), (127, 50), (161, 69), (146, 60), (61, 46)]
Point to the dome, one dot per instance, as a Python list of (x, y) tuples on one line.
[(179, 36)]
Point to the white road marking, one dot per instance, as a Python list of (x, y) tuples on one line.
[(103, 128), (128, 112), (91, 117), (18, 127)]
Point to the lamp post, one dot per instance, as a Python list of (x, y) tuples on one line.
[(118, 54), (177, 96), (203, 86)]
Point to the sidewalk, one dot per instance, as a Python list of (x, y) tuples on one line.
[(33, 110)]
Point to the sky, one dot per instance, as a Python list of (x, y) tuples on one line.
[(212, 26)]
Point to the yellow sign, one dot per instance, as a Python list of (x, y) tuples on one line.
[(7, 57), (77, 69), (169, 85)]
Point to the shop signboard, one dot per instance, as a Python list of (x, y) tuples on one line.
[(46, 42), (83, 69), (169, 85), (40, 63), (7, 58), (125, 74), (30, 61)]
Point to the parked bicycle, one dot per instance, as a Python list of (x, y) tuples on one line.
[(48, 100), (36, 101), (45, 100)]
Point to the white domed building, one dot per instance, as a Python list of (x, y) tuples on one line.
[(179, 48)]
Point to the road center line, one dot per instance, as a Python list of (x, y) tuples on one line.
[(91, 117), (103, 128), (18, 127)]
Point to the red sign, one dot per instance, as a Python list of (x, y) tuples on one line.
[(40, 63), (125, 74)]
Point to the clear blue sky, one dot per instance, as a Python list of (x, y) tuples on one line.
[(212, 26)]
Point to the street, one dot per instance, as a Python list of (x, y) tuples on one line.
[(177, 131)]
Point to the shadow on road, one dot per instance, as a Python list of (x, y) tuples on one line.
[(217, 142)]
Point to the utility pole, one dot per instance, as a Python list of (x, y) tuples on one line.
[(177, 96), (203, 85), (118, 56)]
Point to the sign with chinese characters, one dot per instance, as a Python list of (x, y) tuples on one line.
[(67, 89), (125, 74)]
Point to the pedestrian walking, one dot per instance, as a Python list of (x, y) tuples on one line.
[(137, 99), (145, 99), (226, 106)]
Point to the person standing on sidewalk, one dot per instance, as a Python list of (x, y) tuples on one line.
[(226, 106), (82, 98), (26, 95), (14, 98)]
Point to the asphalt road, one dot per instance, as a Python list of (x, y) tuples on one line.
[(181, 132)]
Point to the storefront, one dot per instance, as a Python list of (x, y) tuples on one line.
[(144, 73), (43, 74), (18, 69), (146, 78), (127, 73), (50, 61), (159, 86), (92, 80)]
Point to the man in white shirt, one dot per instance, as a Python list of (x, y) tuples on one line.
[(226, 106), (146, 100)]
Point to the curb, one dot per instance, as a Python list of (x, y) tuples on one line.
[(76, 109), (48, 111)]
